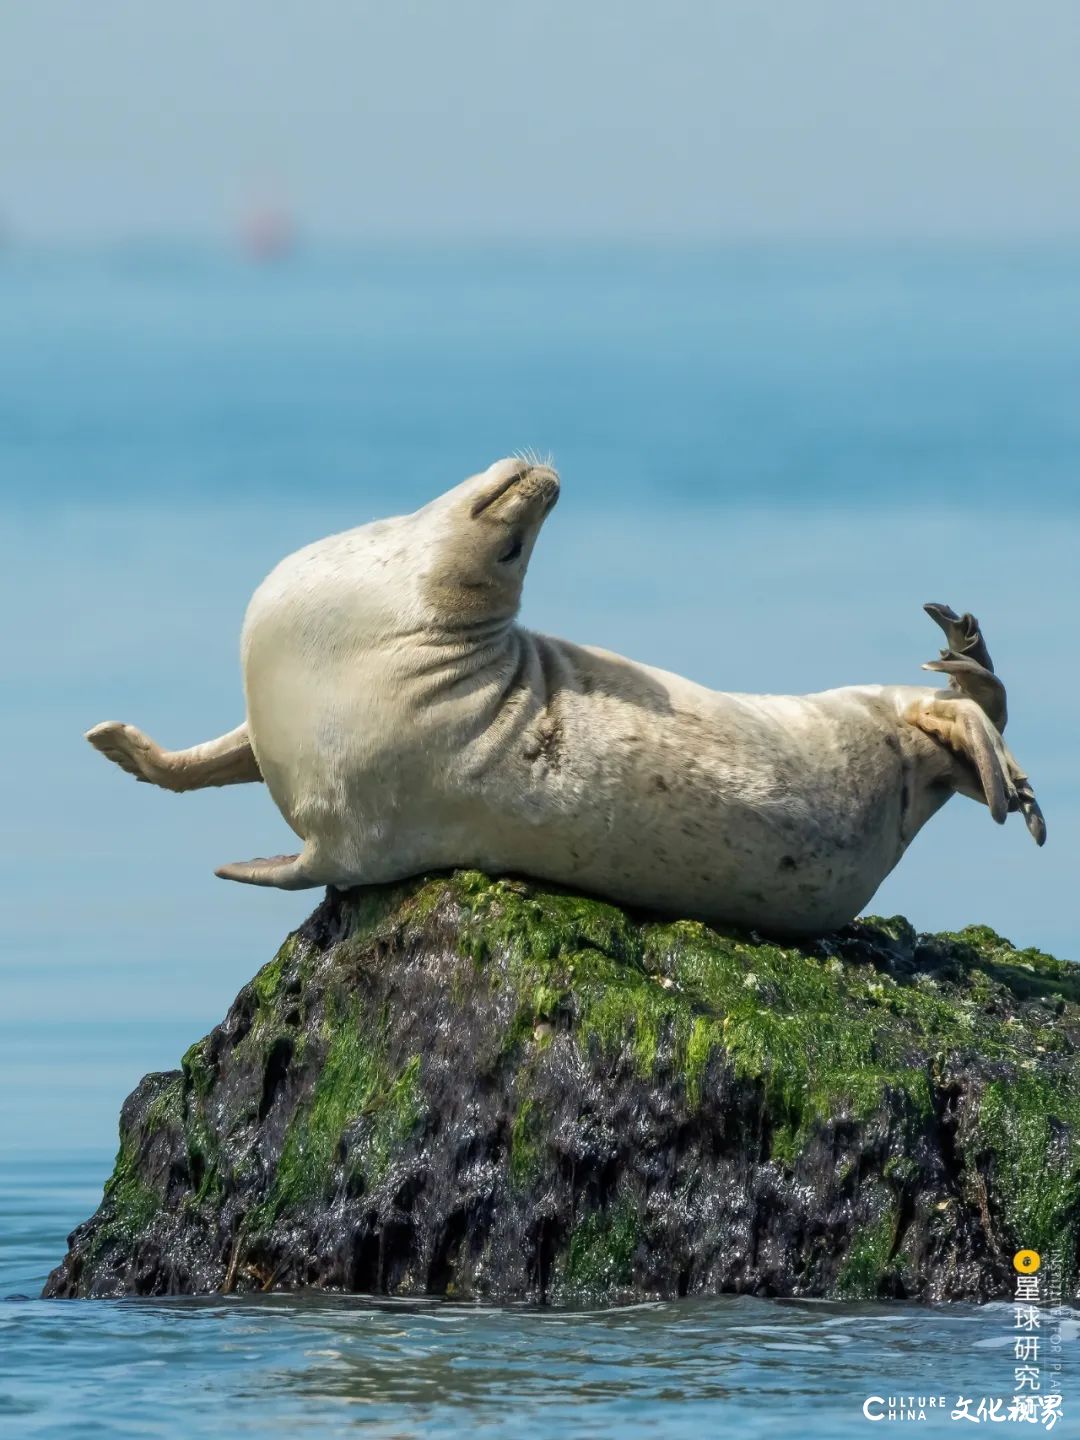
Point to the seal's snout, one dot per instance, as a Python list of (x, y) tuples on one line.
[(542, 484), (518, 485)]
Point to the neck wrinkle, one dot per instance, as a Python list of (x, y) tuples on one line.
[(491, 631), (450, 656)]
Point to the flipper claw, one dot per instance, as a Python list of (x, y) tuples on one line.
[(1033, 816)]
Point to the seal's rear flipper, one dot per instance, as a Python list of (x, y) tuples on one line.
[(967, 663), (969, 717), (962, 633), (1029, 808), (285, 872), (989, 772)]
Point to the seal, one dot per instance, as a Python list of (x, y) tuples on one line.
[(404, 721)]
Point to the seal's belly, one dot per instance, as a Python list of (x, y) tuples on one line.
[(797, 873), (777, 814)]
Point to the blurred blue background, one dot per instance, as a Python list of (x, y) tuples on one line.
[(796, 310)]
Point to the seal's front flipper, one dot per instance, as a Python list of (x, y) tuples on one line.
[(125, 746), (284, 872), (228, 760)]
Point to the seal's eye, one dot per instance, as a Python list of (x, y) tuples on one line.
[(512, 552)]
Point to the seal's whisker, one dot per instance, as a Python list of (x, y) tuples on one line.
[(532, 457)]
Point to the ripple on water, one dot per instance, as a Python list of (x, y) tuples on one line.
[(314, 1364)]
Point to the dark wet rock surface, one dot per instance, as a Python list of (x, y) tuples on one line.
[(491, 1088)]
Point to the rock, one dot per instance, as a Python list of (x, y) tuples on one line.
[(470, 1087)]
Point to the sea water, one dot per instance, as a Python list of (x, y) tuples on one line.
[(327, 1365), (771, 458)]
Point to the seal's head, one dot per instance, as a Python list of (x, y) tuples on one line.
[(482, 535)]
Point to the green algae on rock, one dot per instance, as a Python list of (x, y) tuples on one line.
[(494, 1088)]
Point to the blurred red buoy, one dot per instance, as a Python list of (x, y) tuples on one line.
[(268, 234)]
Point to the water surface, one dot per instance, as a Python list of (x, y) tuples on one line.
[(323, 1365)]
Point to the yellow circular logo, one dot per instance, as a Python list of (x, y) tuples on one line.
[(1026, 1261)]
